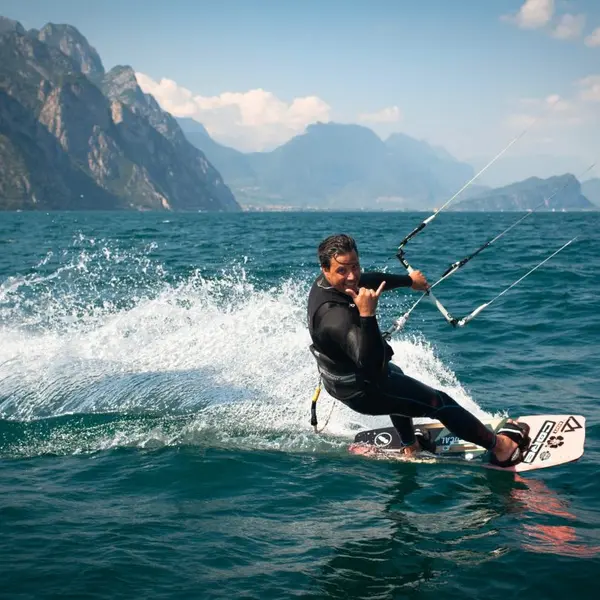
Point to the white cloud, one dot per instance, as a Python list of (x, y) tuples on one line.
[(549, 114), (540, 111), (590, 88), (390, 114), (533, 14), (538, 14), (555, 103), (550, 103), (171, 97), (593, 40), (569, 27), (252, 120)]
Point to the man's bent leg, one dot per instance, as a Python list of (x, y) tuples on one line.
[(400, 394), (404, 427)]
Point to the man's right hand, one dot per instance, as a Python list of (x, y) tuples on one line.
[(418, 281), (366, 299)]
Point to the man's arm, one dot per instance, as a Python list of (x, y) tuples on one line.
[(372, 280), (362, 344)]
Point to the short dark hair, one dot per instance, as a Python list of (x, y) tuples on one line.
[(333, 245)]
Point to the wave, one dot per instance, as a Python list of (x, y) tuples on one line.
[(105, 347)]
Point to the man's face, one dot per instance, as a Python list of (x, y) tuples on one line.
[(343, 272)]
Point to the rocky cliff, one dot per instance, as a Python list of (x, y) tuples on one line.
[(75, 137), (70, 42)]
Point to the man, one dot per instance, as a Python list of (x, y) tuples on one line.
[(354, 359)]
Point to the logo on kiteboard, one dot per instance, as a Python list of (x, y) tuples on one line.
[(383, 439), (449, 440), (539, 440), (556, 441), (571, 425)]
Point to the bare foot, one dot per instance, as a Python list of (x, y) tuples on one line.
[(410, 451)]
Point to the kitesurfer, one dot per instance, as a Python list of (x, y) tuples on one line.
[(354, 360)]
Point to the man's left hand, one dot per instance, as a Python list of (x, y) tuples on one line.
[(419, 282)]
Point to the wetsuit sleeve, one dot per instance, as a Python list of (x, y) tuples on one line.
[(363, 344), (392, 280)]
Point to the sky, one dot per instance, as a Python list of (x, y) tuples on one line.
[(467, 75)]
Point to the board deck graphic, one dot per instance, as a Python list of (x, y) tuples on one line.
[(555, 440)]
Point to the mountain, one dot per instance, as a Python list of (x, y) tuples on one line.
[(517, 167), (337, 166), (180, 167), (329, 166), (69, 41), (591, 190), (233, 165), (425, 161), (75, 137), (528, 194), (7, 25)]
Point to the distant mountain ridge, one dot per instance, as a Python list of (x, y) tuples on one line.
[(515, 167), (235, 166), (75, 137), (348, 167), (591, 190), (337, 166), (562, 192)]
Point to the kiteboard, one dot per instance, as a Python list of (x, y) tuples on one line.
[(555, 440)]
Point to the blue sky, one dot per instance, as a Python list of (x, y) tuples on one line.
[(464, 74)]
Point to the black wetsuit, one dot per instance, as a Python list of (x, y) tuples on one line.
[(355, 367)]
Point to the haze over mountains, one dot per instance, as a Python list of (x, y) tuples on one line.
[(73, 136), (591, 190), (336, 166), (513, 167), (562, 192)]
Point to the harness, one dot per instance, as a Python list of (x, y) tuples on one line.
[(331, 373)]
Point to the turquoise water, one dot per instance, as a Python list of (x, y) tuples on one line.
[(155, 386)]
